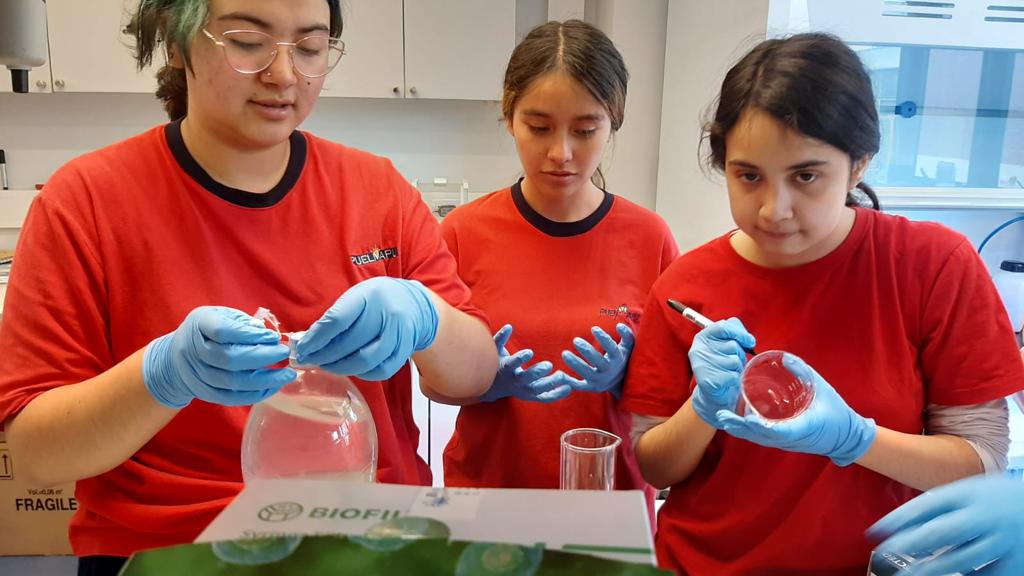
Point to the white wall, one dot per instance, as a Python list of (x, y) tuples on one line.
[(638, 31), (704, 39), (424, 138)]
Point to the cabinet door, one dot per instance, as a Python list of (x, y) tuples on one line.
[(89, 52), (372, 66), (457, 49)]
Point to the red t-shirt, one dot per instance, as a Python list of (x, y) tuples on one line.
[(900, 315), (125, 241), (551, 281)]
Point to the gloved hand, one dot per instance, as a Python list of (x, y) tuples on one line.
[(601, 372), (372, 330), (717, 358), (828, 427), (534, 384), (216, 355), (981, 517)]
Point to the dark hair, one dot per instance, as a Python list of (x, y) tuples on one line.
[(581, 51), (175, 23), (813, 83)]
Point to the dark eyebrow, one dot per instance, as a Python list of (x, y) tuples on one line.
[(313, 28), (264, 25), (800, 166), (808, 164), (742, 164), (585, 117), (254, 20)]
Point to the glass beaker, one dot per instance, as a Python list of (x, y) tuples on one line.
[(772, 390), (318, 426), (588, 459)]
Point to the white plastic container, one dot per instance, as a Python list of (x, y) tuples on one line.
[(1009, 280)]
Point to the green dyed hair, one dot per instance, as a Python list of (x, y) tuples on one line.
[(175, 23)]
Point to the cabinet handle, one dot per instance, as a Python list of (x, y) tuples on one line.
[(412, 90), (58, 83), (396, 90), (41, 84)]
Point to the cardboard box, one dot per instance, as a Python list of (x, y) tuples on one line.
[(33, 520), (610, 525)]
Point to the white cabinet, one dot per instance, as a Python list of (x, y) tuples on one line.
[(443, 49), (372, 66), (457, 49), (88, 50), (446, 49)]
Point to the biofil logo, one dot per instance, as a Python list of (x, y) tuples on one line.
[(280, 512), (375, 255), (285, 511), (622, 311)]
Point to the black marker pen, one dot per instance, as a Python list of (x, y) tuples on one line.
[(3, 170), (696, 317)]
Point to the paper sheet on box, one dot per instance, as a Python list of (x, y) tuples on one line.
[(608, 524)]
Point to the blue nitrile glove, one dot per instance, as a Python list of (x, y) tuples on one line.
[(216, 355), (372, 330), (828, 427), (534, 384), (601, 372), (982, 517), (717, 358)]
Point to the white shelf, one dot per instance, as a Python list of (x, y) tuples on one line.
[(952, 198)]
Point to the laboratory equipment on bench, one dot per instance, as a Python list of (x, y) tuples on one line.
[(318, 426), (1009, 281), (588, 459), (22, 39), (442, 195)]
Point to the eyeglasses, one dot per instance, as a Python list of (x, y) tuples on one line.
[(252, 52)]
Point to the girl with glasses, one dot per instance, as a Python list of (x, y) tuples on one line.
[(129, 354)]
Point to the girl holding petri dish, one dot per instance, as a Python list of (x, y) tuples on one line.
[(879, 314)]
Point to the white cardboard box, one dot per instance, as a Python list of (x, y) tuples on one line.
[(611, 525)]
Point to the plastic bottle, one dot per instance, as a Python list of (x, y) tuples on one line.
[(1009, 280)]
